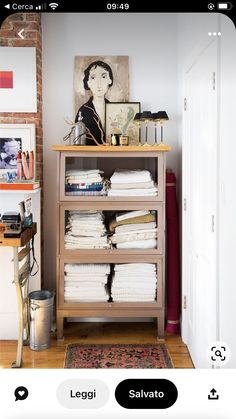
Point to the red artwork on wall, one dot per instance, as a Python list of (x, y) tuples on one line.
[(6, 79)]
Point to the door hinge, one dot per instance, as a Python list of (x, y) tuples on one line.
[(213, 224), (185, 103), (185, 302), (214, 80), (185, 204)]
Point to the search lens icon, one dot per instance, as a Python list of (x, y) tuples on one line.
[(218, 354)]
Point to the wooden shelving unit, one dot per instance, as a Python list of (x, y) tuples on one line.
[(108, 158)]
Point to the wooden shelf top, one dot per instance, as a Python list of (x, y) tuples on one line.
[(108, 148), (21, 241)]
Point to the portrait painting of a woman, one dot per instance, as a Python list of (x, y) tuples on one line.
[(103, 80)]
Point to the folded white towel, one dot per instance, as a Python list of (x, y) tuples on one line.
[(130, 176), (87, 267), (133, 284), (84, 284), (75, 172), (139, 244), (85, 280), (85, 294), (84, 233), (125, 228), (123, 299), (87, 240), (83, 215), (133, 192), (86, 246), (134, 292), (125, 283), (70, 181), (84, 290), (130, 214), (85, 299), (145, 185), (138, 266), (134, 295), (135, 273), (134, 236), (87, 274)]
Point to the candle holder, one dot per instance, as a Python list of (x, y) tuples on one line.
[(146, 117), (138, 122), (155, 119), (162, 116)]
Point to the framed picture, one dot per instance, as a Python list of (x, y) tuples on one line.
[(119, 120), (14, 138), (97, 80), (18, 87)]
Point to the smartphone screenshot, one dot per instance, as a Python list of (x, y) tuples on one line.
[(117, 210)]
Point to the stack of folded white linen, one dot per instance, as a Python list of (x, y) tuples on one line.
[(86, 282), (134, 282), (134, 230), (132, 183), (86, 230), (84, 182)]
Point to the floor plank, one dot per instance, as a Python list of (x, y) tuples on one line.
[(94, 333)]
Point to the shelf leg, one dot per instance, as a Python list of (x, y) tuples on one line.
[(60, 324), (161, 328)]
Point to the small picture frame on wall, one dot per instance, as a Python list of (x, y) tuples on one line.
[(119, 120), (15, 138)]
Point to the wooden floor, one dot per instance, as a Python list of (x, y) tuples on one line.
[(94, 333)]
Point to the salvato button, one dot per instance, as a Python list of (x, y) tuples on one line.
[(146, 393), (82, 394)]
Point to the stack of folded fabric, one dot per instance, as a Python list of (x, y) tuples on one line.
[(86, 230), (132, 183), (86, 282), (134, 282), (84, 182), (134, 230)]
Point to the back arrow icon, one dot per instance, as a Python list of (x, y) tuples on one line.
[(20, 34)]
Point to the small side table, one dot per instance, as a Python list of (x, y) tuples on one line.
[(21, 281)]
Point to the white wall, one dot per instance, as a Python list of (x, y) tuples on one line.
[(149, 40)]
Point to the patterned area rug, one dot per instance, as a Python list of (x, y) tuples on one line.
[(117, 356)]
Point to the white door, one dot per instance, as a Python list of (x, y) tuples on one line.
[(200, 201)]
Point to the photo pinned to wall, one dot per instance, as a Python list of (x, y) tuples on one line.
[(18, 85), (99, 80), (17, 152), (119, 120)]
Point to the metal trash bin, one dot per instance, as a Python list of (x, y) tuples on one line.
[(41, 309)]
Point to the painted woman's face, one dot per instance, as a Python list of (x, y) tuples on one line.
[(99, 81)]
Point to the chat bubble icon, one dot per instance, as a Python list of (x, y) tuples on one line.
[(21, 393)]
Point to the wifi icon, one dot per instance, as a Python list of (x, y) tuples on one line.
[(53, 5)]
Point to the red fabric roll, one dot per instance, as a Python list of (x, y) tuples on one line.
[(172, 255)]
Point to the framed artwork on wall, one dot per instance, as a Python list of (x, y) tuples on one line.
[(18, 85), (99, 80), (119, 120), (15, 138)]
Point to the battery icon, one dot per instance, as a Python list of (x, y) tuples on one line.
[(224, 6)]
